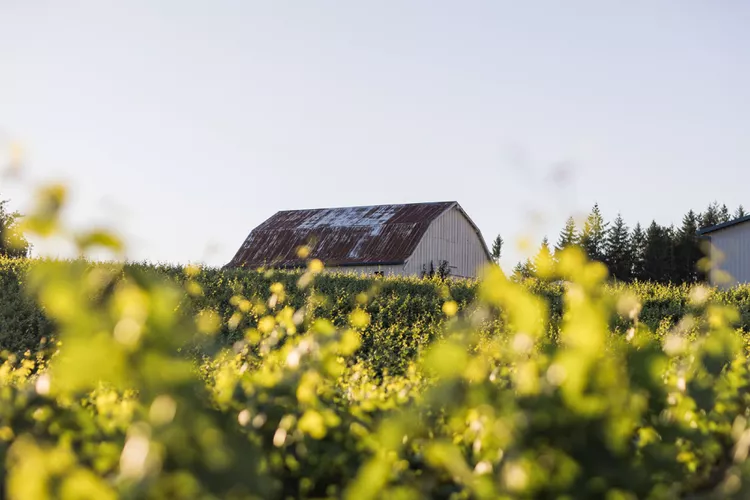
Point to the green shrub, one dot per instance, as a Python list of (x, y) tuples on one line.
[(170, 382), (405, 313)]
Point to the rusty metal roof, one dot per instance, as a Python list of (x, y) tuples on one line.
[(349, 236)]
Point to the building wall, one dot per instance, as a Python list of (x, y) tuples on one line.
[(730, 247), (450, 237), (368, 270)]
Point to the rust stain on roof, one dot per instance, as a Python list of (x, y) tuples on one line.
[(379, 234)]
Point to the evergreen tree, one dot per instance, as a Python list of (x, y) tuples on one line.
[(711, 216), (568, 236), (618, 251), (12, 241), (724, 214), (687, 251), (740, 212), (658, 258), (671, 275), (638, 249), (497, 247), (523, 270), (444, 269), (545, 246), (543, 259), (594, 234)]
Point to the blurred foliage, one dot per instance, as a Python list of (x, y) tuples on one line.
[(405, 313), (13, 242), (182, 382)]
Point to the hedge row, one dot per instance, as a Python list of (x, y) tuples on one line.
[(118, 412), (405, 313)]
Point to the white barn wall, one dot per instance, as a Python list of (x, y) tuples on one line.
[(453, 238), (733, 246), (397, 270)]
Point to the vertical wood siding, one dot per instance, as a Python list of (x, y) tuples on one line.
[(450, 237), (733, 246), (368, 270)]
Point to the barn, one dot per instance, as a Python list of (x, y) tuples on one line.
[(729, 251), (401, 240)]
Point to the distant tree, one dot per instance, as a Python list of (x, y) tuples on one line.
[(740, 212), (594, 234), (568, 236), (711, 216), (12, 241), (428, 272), (545, 246), (687, 250), (671, 238), (618, 251), (724, 215), (523, 270), (653, 255), (543, 258), (638, 249), (658, 259), (442, 271), (497, 248)]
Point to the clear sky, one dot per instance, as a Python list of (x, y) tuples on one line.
[(187, 123)]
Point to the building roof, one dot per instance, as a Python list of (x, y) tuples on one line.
[(346, 236), (723, 225)]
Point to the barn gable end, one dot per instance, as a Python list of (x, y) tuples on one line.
[(452, 237)]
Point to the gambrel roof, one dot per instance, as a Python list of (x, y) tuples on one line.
[(346, 236)]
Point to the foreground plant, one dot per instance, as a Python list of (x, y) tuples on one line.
[(142, 396)]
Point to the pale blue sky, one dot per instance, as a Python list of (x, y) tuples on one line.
[(188, 123)]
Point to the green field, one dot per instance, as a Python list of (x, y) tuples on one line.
[(143, 381)]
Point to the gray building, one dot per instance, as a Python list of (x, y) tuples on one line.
[(381, 239), (730, 252)]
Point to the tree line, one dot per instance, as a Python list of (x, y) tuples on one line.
[(664, 254)]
